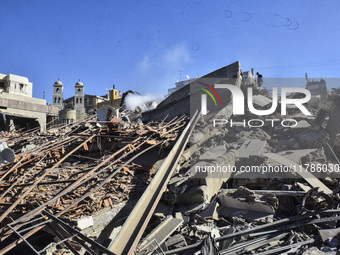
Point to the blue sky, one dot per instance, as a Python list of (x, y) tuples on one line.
[(146, 45)]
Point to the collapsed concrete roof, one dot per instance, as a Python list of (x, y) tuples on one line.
[(178, 103)]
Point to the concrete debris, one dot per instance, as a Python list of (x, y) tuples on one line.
[(248, 208), (144, 178), (251, 148), (301, 126), (82, 173), (176, 241), (210, 213), (159, 234), (261, 102), (314, 139), (329, 234), (85, 222)]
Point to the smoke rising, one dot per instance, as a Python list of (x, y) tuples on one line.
[(145, 102)]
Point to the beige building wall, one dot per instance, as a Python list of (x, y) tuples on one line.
[(16, 85), (16, 100), (70, 116)]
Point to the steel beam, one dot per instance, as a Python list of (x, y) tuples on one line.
[(133, 228)]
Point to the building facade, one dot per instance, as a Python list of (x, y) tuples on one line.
[(19, 110), (77, 107)]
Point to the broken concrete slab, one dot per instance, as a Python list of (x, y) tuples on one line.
[(160, 234), (28, 148), (100, 219), (85, 222), (214, 153), (309, 177), (295, 155), (210, 212), (328, 234), (162, 210), (313, 139), (230, 207), (208, 182), (260, 101), (251, 148), (176, 241), (301, 126)]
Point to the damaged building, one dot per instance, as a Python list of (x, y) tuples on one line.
[(318, 90), (173, 180), (19, 110)]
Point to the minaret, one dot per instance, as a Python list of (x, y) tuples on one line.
[(58, 95), (79, 97)]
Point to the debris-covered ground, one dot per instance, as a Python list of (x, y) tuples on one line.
[(116, 185), (80, 170)]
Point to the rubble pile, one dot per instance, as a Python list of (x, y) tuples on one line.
[(221, 183), (251, 213), (205, 211), (79, 170)]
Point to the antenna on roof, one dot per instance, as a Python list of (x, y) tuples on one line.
[(306, 75)]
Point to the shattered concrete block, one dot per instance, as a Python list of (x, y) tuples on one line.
[(215, 233), (210, 212), (315, 251), (328, 234), (314, 139), (161, 233), (214, 153), (28, 148), (209, 183), (196, 137), (162, 210), (260, 101), (230, 207), (295, 155), (204, 228), (243, 192), (301, 126), (176, 241), (85, 222), (195, 195), (251, 148)]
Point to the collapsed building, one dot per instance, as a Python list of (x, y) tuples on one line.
[(318, 90), (151, 184)]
